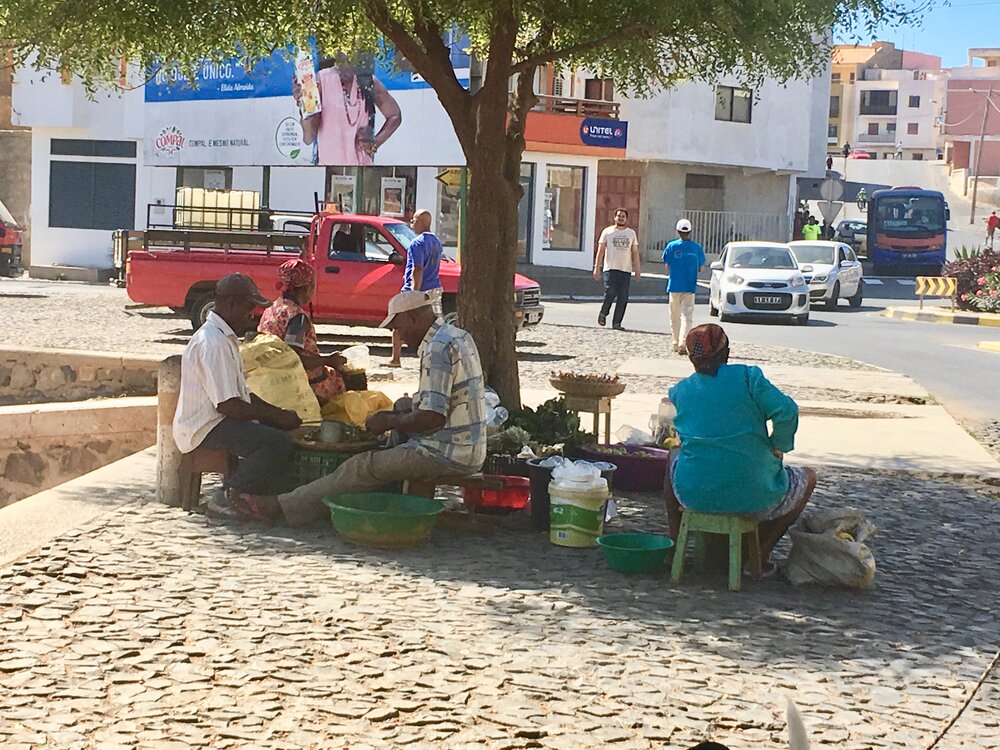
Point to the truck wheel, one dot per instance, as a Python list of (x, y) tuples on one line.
[(200, 310)]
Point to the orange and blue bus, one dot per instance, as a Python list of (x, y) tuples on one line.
[(908, 227)]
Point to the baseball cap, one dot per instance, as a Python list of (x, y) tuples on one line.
[(683, 225), (240, 285), (405, 301)]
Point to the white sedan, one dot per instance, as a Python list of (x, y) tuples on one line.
[(832, 271), (758, 278)]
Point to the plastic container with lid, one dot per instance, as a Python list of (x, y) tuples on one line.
[(577, 510)]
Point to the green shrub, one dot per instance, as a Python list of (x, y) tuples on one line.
[(970, 270)]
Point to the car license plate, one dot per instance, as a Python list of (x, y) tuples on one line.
[(533, 318), (763, 299)]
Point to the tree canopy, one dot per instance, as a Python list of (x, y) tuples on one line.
[(641, 44)]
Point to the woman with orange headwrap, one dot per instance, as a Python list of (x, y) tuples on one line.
[(286, 318)]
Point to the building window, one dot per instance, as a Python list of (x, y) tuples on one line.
[(732, 104), (835, 77), (831, 131), (209, 178), (918, 156), (78, 147), (526, 212), (367, 195), (875, 102), (890, 127), (914, 102), (563, 228), (852, 77), (912, 128), (873, 128), (85, 195), (834, 106), (449, 190)]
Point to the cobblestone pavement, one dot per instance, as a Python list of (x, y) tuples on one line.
[(157, 629)]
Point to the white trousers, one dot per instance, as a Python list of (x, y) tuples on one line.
[(681, 315)]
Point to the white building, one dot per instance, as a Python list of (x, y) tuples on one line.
[(725, 157), (898, 111)]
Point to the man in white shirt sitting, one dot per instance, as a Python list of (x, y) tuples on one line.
[(216, 409)]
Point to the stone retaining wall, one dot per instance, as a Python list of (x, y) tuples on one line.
[(34, 376), (44, 445)]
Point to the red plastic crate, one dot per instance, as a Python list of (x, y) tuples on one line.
[(514, 495)]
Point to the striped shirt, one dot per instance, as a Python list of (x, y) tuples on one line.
[(451, 384), (211, 372)]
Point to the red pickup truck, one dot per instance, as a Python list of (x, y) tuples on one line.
[(10, 244), (359, 263)]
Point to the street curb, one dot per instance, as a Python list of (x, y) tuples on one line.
[(990, 346), (940, 316)]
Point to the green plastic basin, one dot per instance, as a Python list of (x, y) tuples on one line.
[(383, 520), (635, 553)]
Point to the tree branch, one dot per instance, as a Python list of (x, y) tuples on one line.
[(636, 29)]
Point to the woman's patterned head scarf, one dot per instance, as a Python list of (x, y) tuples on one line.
[(705, 344), (294, 274)]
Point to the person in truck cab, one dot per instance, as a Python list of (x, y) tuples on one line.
[(215, 408), (287, 319), (445, 428)]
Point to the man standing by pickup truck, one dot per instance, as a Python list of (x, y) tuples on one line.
[(216, 409), (423, 260)]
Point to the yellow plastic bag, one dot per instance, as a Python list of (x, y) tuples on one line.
[(354, 407), (275, 373)]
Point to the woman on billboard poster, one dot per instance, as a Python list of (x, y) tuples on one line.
[(344, 127)]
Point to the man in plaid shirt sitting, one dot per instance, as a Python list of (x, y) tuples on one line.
[(446, 426)]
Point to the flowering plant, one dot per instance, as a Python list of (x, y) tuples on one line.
[(972, 272)]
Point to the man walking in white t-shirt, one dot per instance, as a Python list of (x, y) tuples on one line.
[(618, 256)]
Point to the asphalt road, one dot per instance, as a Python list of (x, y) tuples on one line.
[(944, 359)]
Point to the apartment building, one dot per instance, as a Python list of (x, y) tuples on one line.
[(973, 113), (886, 101)]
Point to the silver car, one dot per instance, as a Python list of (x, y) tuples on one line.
[(832, 271)]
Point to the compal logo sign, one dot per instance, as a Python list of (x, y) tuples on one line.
[(170, 140)]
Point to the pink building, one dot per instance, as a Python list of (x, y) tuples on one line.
[(968, 90)]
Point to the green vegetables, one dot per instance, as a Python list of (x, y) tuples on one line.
[(550, 424)]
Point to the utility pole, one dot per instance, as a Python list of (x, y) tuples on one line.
[(979, 154)]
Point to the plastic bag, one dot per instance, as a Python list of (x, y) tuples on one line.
[(354, 407), (577, 475), (629, 435), (829, 548), (358, 358), (275, 373)]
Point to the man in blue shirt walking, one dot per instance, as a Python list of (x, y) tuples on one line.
[(683, 260), (423, 261)]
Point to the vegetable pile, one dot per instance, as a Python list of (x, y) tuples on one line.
[(585, 377), (551, 428)]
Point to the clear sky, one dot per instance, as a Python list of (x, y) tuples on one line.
[(949, 31)]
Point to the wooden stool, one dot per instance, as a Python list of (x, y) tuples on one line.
[(732, 526), (598, 405), (193, 465)]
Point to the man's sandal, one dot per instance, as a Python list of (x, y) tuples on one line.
[(255, 507)]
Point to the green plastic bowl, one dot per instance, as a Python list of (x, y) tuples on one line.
[(383, 520), (635, 553)]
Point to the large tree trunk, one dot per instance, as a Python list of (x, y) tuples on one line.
[(489, 254)]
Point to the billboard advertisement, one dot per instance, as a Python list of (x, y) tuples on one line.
[(300, 107)]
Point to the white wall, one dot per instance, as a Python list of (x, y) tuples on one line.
[(294, 188), (680, 125)]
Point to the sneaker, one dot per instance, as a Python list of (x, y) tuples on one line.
[(602, 319)]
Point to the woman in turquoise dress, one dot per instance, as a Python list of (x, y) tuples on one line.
[(728, 461)]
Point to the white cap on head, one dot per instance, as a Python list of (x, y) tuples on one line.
[(683, 225), (405, 301)]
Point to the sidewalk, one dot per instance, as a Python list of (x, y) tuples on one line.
[(942, 315), (128, 624)]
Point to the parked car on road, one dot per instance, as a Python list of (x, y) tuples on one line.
[(860, 154), (758, 279), (832, 271), (10, 244)]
